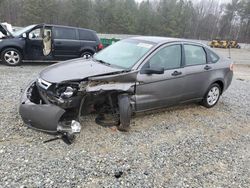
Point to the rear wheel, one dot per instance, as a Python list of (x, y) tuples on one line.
[(212, 96), (11, 56), (86, 54)]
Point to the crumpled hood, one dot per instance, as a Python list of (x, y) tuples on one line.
[(75, 69)]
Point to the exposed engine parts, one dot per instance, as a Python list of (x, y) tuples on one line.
[(64, 103)]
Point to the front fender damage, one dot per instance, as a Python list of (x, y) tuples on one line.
[(45, 117), (41, 115), (113, 86), (122, 82)]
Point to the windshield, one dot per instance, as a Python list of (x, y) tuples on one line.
[(124, 53), (23, 30)]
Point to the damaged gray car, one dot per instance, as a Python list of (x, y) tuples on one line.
[(130, 76)]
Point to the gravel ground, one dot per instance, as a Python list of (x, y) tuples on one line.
[(184, 146)]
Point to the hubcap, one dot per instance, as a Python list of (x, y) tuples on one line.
[(86, 55), (213, 95), (11, 57)]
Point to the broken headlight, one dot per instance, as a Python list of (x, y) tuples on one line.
[(66, 92), (69, 92)]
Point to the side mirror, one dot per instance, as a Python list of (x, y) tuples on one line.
[(153, 70), (24, 35)]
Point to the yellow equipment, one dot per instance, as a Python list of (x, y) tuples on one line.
[(214, 44), (217, 43), (234, 44)]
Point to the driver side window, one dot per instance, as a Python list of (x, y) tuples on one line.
[(36, 34), (167, 58)]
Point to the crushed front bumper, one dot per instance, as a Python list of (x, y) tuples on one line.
[(42, 117)]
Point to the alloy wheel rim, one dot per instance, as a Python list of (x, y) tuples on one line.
[(213, 95), (11, 57)]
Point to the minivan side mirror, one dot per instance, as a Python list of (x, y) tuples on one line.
[(152, 70), (24, 35)]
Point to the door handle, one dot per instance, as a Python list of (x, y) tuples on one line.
[(207, 67), (176, 73), (58, 42)]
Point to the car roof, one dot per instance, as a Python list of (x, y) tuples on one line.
[(53, 25), (162, 40)]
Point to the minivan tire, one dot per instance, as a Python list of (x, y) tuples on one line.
[(86, 54), (11, 57), (212, 96), (125, 113)]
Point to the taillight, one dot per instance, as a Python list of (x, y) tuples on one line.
[(231, 67), (100, 46)]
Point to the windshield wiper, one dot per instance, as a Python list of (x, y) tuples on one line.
[(103, 62)]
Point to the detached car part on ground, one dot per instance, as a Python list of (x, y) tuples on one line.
[(132, 75), (45, 42)]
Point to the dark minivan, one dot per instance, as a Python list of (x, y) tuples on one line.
[(44, 42)]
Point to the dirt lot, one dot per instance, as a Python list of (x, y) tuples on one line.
[(184, 146)]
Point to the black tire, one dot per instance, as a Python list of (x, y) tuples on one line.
[(86, 54), (11, 57), (125, 112), (212, 96)]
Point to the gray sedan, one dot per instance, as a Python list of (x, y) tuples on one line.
[(133, 75)]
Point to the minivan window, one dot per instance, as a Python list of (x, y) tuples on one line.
[(194, 55), (36, 34), (86, 35), (23, 30), (64, 33), (167, 58)]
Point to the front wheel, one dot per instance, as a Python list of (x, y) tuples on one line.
[(11, 57), (125, 112), (212, 96)]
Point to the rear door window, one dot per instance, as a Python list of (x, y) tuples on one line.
[(64, 33), (194, 55), (86, 35)]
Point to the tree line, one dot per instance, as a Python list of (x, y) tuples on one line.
[(206, 19)]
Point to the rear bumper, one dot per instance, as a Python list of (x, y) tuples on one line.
[(228, 80), (42, 117)]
